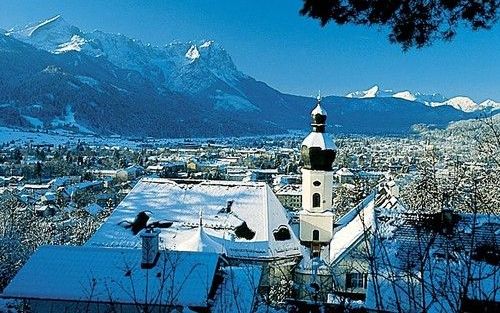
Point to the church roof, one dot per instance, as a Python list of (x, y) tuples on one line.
[(202, 242), (319, 110), (319, 140), (318, 150), (242, 217), (352, 226)]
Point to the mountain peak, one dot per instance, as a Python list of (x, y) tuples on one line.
[(489, 103), (193, 53), (406, 95), (462, 103), (372, 92), (51, 22), (47, 34), (206, 43)]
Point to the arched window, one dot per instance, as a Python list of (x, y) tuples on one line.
[(315, 235), (316, 200)]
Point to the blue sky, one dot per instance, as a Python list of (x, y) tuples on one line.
[(270, 41)]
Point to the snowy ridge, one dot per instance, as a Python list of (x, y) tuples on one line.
[(405, 95), (112, 81), (172, 65), (462, 103), (468, 105), (47, 35), (369, 93)]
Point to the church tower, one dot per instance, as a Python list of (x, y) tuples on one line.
[(318, 152)]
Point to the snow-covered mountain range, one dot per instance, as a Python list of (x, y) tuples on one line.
[(461, 103), (54, 75), (176, 65)]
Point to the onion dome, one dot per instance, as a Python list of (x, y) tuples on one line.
[(318, 149)]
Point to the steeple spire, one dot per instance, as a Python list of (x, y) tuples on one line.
[(318, 116), (318, 152)]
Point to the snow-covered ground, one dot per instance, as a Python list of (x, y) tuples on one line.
[(62, 137)]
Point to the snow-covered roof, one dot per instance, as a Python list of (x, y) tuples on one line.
[(319, 140), (200, 241), (344, 172), (93, 209), (291, 189), (318, 110), (100, 274), (253, 203), (238, 292), (352, 226), (465, 256)]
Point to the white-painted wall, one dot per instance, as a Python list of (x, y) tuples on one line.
[(324, 189), (323, 222)]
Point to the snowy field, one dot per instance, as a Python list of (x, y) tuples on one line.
[(61, 137)]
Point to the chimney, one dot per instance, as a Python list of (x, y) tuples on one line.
[(447, 215), (150, 247), (229, 205)]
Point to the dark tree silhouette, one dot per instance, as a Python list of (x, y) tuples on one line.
[(38, 171), (413, 23)]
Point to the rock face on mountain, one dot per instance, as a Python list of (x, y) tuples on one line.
[(56, 76)]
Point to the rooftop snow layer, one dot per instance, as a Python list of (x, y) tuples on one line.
[(352, 227), (319, 140), (101, 274), (200, 241), (319, 110), (253, 203)]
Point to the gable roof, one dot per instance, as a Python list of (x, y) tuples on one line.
[(351, 227), (253, 203), (102, 275)]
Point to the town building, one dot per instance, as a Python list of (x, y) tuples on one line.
[(90, 279)]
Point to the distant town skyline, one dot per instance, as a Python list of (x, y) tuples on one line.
[(271, 42)]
